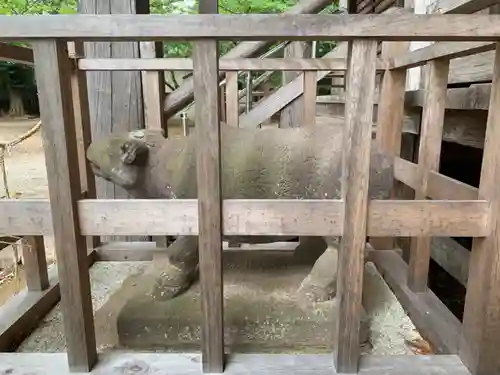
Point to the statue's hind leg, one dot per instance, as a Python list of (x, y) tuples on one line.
[(175, 270), (321, 283)]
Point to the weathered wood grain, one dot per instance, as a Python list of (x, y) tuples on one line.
[(232, 99), (122, 363), (309, 98), (473, 97), (428, 160), (478, 346), (35, 264), (259, 217), (208, 177), (254, 27), (153, 87), (292, 114), (391, 117), (225, 64), (16, 54), (83, 128), (355, 183), (430, 316), (448, 50), (439, 186), (453, 257), (53, 78)]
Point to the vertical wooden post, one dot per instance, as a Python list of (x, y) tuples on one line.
[(82, 127), (291, 115), (310, 89), (208, 165), (153, 89), (390, 117), (153, 96), (115, 97), (355, 181), (232, 99), (222, 105), (53, 76), (35, 264), (431, 133), (480, 329)]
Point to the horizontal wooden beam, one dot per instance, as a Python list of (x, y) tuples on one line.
[(430, 316), (145, 251), (440, 50), (439, 186), (239, 363), (473, 97), (16, 54), (390, 27), (282, 217), (255, 64), (452, 257)]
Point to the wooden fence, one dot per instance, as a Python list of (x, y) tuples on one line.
[(458, 209)]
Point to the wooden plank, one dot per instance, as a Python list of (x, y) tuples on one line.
[(428, 160), (228, 65), (259, 217), (480, 331), (35, 264), (16, 54), (355, 182), (241, 363), (291, 116), (53, 72), (208, 159), (83, 129), (232, 99), (471, 69), (439, 186), (448, 50), (431, 317), (453, 257), (474, 97), (309, 98), (145, 251), (459, 6), (22, 313), (254, 27), (390, 118), (153, 88), (208, 177)]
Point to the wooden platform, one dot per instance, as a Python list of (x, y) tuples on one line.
[(190, 364)]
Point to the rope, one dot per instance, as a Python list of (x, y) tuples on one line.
[(7, 146)]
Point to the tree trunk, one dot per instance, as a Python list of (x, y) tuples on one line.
[(16, 103)]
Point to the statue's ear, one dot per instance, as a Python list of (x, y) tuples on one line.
[(133, 152)]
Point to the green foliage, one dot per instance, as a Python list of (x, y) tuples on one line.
[(23, 7)]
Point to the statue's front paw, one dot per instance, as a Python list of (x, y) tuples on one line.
[(171, 282)]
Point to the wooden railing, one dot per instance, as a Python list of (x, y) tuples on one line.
[(69, 217)]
